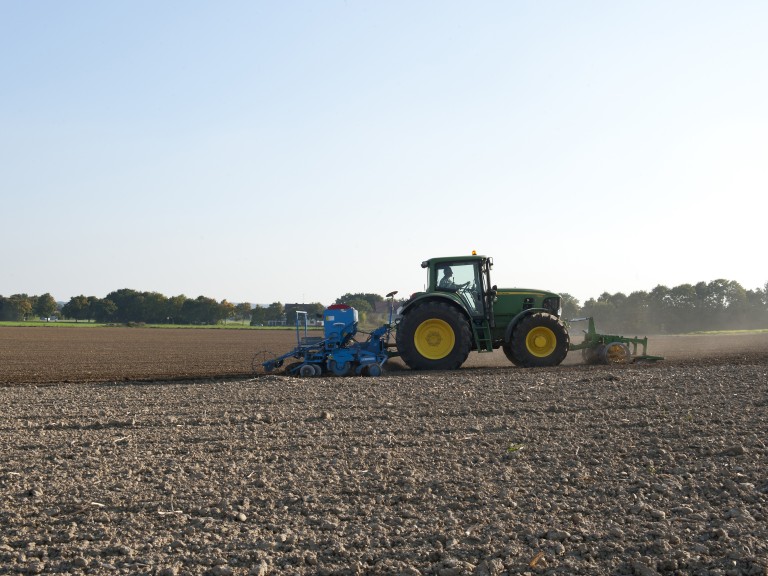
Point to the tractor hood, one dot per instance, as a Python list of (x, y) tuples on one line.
[(511, 300), (526, 291)]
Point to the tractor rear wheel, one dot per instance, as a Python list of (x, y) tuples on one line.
[(539, 340), (434, 336)]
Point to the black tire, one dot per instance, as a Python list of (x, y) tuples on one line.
[(507, 348), (539, 340), (434, 336)]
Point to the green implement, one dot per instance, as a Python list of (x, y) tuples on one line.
[(609, 348)]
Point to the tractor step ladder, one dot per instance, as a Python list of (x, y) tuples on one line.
[(482, 333)]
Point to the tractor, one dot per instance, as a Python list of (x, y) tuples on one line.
[(461, 310), (458, 312)]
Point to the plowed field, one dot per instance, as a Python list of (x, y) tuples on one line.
[(57, 355), (491, 470)]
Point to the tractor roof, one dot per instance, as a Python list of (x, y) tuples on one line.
[(449, 259)]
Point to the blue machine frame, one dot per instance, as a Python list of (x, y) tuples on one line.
[(336, 352)]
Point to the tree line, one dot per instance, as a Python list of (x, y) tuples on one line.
[(131, 306), (22, 307), (365, 304), (125, 306), (716, 305)]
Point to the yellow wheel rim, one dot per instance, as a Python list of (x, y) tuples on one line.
[(434, 339), (616, 354), (541, 341)]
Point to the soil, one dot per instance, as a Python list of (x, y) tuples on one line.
[(488, 470)]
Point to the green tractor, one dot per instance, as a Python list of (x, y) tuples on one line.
[(461, 311)]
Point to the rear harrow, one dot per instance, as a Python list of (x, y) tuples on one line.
[(609, 348)]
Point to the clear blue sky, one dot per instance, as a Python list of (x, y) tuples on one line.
[(296, 151)]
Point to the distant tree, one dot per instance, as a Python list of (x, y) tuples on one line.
[(93, 304), (173, 310), (226, 310), (570, 306), (717, 294), (275, 312), (315, 309), (258, 315), (680, 306), (363, 308), (7, 310), (46, 306), (757, 310), (243, 311), (103, 309), (602, 310), (658, 309), (154, 307), (78, 308), (292, 312), (19, 307), (636, 313), (262, 315), (202, 310), (724, 303), (130, 305), (372, 299)]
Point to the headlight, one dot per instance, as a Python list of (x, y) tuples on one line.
[(552, 305)]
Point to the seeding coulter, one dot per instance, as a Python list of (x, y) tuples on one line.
[(459, 311)]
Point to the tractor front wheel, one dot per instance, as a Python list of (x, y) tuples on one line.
[(538, 340), (434, 336), (507, 348)]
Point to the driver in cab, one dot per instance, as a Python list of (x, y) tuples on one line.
[(447, 283)]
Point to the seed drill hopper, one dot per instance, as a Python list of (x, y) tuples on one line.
[(335, 353), (609, 348)]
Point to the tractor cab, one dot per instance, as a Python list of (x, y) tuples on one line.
[(468, 277)]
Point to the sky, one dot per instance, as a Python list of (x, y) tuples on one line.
[(295, 151)]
